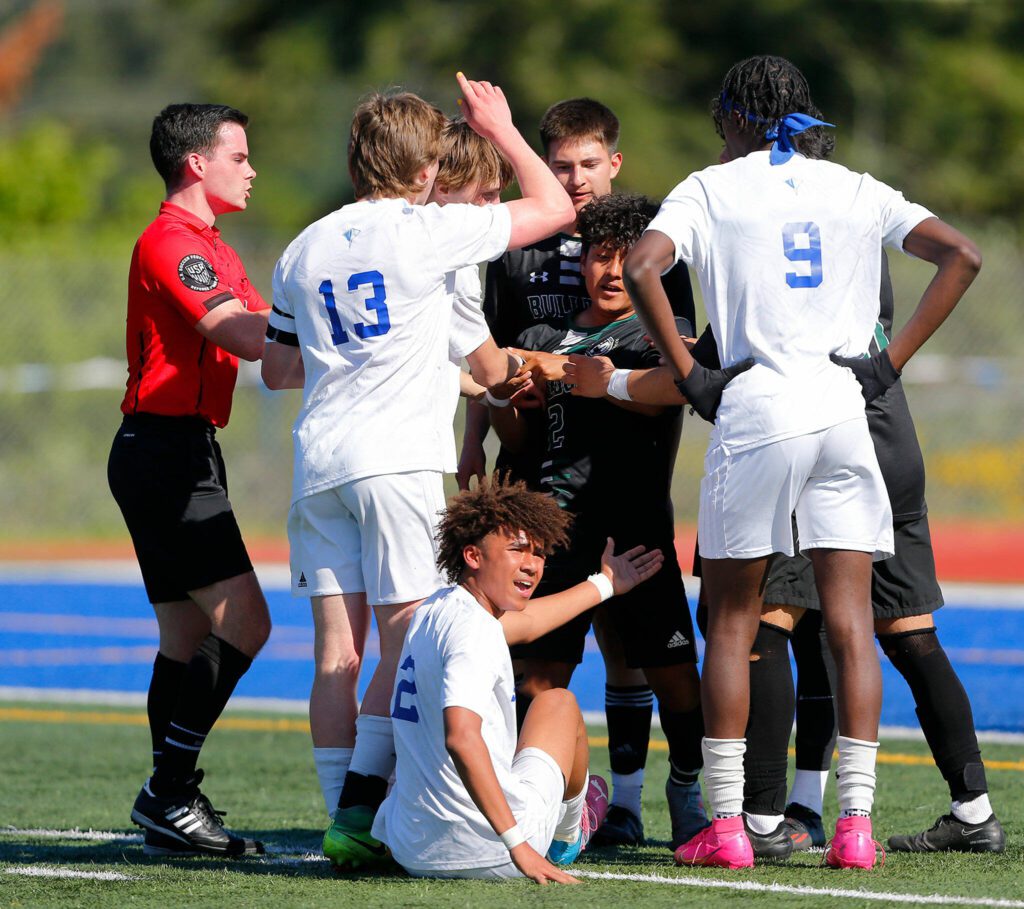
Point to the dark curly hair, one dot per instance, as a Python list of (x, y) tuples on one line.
[(617, 220), (497, 505), (764, 89)]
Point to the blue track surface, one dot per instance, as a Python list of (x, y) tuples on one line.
[(102, 637)]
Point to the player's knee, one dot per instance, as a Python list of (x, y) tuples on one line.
[(560, 699), (339, 669)]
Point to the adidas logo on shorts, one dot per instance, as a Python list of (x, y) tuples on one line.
[(302, 580), (678, 639)]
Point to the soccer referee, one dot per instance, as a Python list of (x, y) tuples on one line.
[(191, 314)]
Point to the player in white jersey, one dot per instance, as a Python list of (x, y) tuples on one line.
[(362, 309), (470, 170), (786, 250), (470, 800)]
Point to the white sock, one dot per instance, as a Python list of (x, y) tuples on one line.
[(723, 774), (855, 776), (809, 789), (627, 789), (568, 827), (331, 767), (374, 754), (763, 823), (976, 811)]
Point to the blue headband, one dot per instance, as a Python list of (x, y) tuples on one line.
[(781, 131)]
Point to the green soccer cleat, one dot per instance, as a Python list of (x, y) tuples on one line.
[(349, 845)]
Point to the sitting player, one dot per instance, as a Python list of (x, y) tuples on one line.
[(610, 465), (791, 435), (470, 801), (362, 309)]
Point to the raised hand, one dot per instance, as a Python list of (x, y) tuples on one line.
[(537, 868), (632, 567), (588, 375), (485, 108)]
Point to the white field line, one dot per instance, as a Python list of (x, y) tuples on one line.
[(833, 892), (75, 834), (45, 871)]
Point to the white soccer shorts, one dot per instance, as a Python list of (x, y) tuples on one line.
[(374, 535), (830, 479), (543, 787)]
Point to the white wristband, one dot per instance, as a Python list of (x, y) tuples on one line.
[(512, 837), (603, 585), (496, 402), (618, 385)]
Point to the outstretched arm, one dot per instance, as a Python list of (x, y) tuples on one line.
[(621, 572), (545, 207), (472, 759)]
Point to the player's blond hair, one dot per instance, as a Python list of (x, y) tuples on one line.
[(392, 138), (467, 157), (493, 506)]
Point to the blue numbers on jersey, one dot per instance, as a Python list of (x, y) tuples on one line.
[(399, 710), (376, 303), (811, 253)]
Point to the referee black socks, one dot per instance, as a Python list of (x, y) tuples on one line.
[(207, 682), (162, 696)]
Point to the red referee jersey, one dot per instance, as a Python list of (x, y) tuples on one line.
[(181, 269)]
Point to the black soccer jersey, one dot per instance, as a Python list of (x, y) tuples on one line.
[(542, 285), (600, 459)]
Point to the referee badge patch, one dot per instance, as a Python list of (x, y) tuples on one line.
[(197, 273)]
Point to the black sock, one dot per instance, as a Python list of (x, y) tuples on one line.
[(362, 789), (770, 722), (943, 709), (684, 731), (628, 710), (816, 724), (207, 683), (163, 695)]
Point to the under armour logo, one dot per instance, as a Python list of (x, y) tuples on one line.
[(538, 276)]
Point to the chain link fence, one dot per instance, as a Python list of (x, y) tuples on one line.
[(62, 374)]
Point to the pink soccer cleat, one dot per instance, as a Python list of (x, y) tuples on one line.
[(595, 808), (723, 845), (853, 846)]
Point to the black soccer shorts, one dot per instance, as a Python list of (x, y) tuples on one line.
[(902, 586), (168, 478)]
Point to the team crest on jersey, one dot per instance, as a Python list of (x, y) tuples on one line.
[(602, 347), (197, 273)]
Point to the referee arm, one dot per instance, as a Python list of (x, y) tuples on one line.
[(235, 329)]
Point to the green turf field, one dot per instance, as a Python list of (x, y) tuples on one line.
[(79, 768)]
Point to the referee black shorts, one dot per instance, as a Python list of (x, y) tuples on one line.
[(168, 478), (902, 586), (653, 620)]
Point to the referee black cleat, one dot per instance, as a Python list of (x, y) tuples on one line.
[(950, 834), (774, 845), (188, 820)]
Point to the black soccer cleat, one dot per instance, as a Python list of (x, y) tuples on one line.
[(805, 827), (620, 828), (950, 834), (189, 820), (774, 845)]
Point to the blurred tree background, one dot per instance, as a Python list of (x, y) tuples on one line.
[(927, 96)]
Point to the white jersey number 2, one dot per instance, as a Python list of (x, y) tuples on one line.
[(375, 303)]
